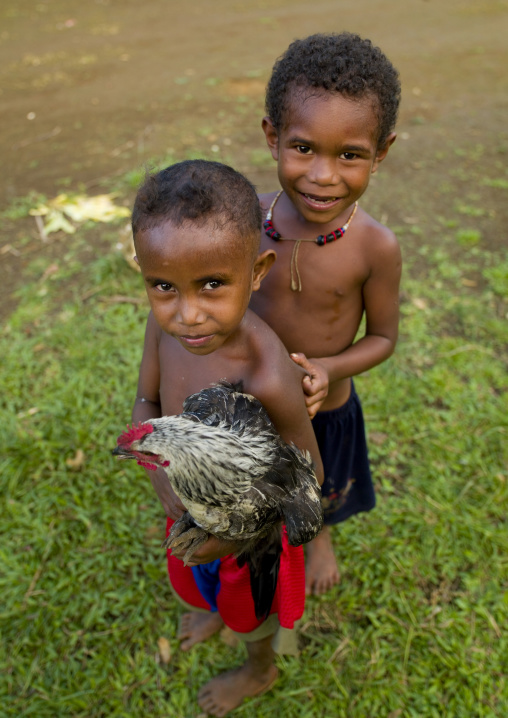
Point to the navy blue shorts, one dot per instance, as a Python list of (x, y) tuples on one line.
[(347, 488)]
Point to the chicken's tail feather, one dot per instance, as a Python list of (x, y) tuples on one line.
[(263, 560)]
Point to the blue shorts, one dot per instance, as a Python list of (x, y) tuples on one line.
[(347, 488)]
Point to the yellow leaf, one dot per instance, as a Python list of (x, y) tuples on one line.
[(76, 463), (56, 222), (164, 650), (99, 208), (420, 303), (40, 211), (79, 208)]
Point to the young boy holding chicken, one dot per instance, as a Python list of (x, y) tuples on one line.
[(196, 233), (332, 104)]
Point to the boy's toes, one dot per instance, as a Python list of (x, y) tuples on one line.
[(321, 570), (197, 627)]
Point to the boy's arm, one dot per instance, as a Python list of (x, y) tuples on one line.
[(381, 302), (147, 406), (281, 395)]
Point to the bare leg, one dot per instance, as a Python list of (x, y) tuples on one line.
[(225, 692), (321, 571), (196, 627)]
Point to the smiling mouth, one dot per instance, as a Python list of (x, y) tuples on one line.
[(320, 200)]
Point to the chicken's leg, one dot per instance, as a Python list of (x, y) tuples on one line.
[(185, 535)]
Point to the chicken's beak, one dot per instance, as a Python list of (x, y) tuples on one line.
[(122, 453)]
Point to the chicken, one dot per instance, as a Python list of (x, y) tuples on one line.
[(237, 477)]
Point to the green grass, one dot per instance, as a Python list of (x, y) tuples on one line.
[(417, 627)]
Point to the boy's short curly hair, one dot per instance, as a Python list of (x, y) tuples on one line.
[(342, 63), (197, 191)]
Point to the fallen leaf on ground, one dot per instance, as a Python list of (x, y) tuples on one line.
[(29, 412), (78, 208), (77, 461), (52, 269), (420, 303), (164, 650)]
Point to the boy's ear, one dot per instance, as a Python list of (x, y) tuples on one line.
[(262, 266), (272, 138), (383, 151)]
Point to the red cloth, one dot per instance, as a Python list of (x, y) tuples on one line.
[(234, 600)]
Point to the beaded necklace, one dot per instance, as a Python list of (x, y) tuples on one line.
[(321, 240)]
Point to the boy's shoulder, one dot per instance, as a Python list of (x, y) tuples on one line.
[(374, 229), (272, 367), (264, 345), (376, 239)]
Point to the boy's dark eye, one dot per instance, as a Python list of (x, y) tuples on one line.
[(303, 149), (349, 155), (213, 284), (164, 287)]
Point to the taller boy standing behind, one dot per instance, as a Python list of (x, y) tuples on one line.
[(332, 104)]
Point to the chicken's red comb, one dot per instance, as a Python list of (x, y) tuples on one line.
[(133, 433)]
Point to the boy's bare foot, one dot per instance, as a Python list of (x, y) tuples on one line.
[(225, 692), (197, 627), (321, 571)]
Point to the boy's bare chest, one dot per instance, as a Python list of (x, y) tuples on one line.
[(340, 265), (183, 374), (313, 294)]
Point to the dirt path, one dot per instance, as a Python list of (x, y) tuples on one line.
[(92, 90)]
